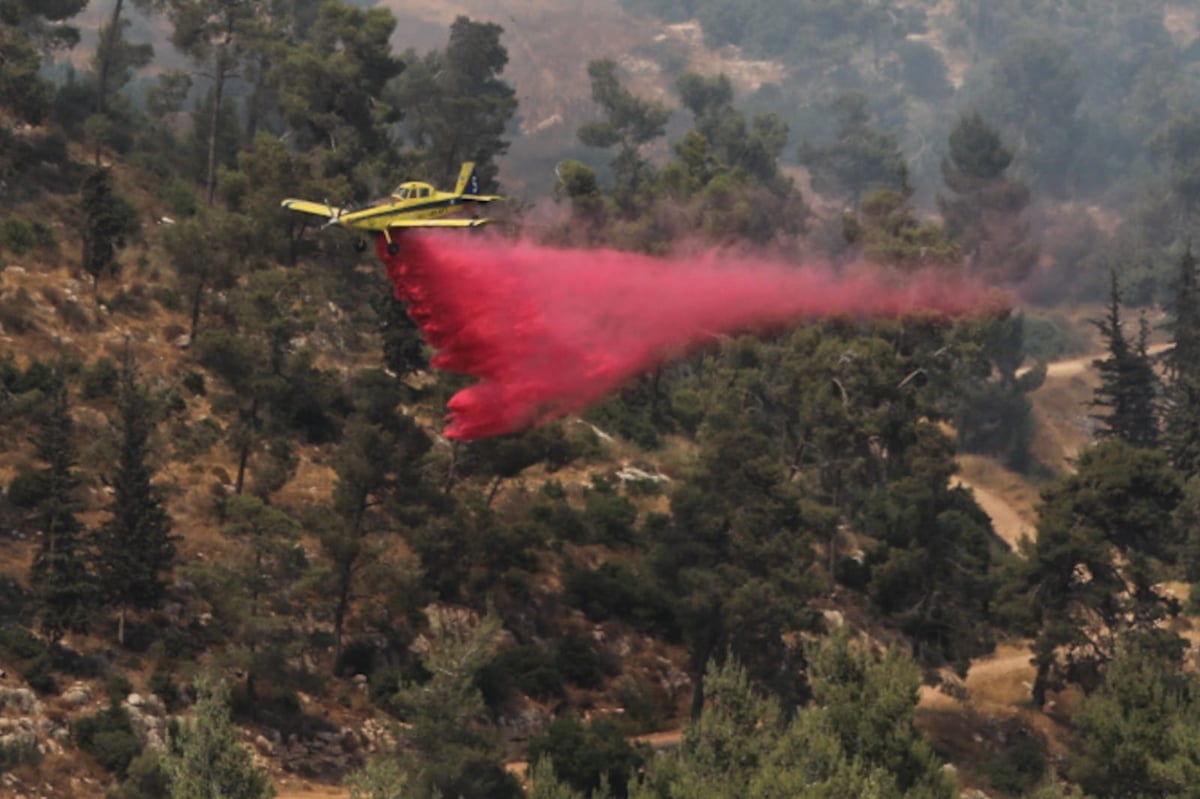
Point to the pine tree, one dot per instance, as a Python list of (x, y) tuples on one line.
[(630, 122), (861, 158), (62, 587), (983, 210), (1181, 433), (109, 218), (206, 760), (1128, 384), (135, 550)]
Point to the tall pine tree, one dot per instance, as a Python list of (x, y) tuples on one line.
[(1128, 385), (62, 586), (109, 219), (1181, 417), (135, 548), (984, 207)]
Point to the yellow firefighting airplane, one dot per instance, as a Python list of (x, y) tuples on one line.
[(411, 204)]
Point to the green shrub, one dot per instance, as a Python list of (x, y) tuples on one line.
[(21, 644), (194, 383), (561, 520), (610, 517), (163, 685), (108, 736), (615, 591), (178, 196), (169, 299), (1020, 765), (43, 235), (100, 380), (28, 488), (17, 235), (16, 754), (39, 673), (584, 755), (172, 401), (117, 686), (581, 664), (648, 706), (148, 778), (529, 669)]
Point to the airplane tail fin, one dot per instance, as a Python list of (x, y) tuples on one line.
[(468, 181)]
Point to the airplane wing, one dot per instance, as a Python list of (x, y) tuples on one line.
[(316, 209), (481, 198)]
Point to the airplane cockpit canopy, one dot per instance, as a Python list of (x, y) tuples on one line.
[(412, 190)]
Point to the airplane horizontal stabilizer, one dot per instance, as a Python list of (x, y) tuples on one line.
[(407, 223)]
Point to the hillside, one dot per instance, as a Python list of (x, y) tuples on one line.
[(873, 481)]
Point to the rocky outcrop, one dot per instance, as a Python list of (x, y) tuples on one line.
[(25, 725)]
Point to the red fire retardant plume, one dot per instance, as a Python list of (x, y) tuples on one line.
[(548, 331)]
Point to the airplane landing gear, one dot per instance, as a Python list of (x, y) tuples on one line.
[(393, 248)]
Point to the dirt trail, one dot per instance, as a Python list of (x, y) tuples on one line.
[(291, 789), (1075, 366), (1009, 521)]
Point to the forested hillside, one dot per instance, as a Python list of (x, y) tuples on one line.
[(237, 551)]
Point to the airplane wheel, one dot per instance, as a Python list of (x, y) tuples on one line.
[(360, 245), (393, 248)]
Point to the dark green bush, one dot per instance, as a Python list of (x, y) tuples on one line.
[(615, 591), (43, 235), (100, 380), (117, 686), (17, 235), (610, 517), (583, 754), (148, 778), (27, 488), (178, 196), (21, 644), (529, 669), (1020, 764), (108, 736), (559, 519), (194, 383), (162, 684), (581, 664), (168, 298), (39, 673)]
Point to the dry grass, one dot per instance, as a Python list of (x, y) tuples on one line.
[(997, 695)]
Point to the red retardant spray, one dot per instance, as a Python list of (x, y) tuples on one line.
[(547, 331)]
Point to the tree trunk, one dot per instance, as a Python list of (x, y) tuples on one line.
[(213, 124), (121, 625), (197, 299), (339, 613), (244, 449)]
